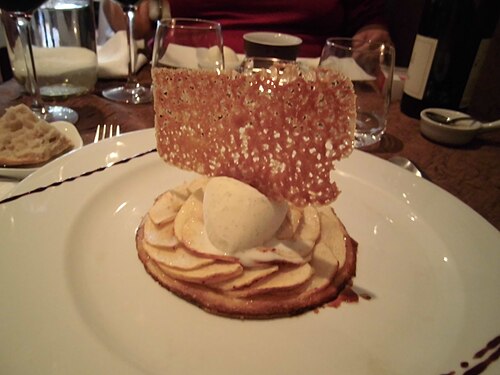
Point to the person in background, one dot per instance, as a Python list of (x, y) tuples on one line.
[(312, 21)]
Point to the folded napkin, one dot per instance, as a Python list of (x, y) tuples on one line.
[(180, 56), (113, 57)]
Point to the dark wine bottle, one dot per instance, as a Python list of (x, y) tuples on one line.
[(449, 48), (20, 5), (128, 2)]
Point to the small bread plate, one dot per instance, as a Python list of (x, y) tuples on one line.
[(68, 129), (77, 300)]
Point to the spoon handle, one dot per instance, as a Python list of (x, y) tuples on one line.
[(490, 126)]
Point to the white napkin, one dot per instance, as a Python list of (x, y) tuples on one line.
[(181, 56), (113, 56), (310, 62)]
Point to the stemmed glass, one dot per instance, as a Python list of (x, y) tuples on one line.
[(370, 66), (132, 92), (188, 43), (21, 12)]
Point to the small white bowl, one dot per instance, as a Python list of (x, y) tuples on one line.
[(458, 133), (269, 44)]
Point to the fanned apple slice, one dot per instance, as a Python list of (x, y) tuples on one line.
[(192, 208), (176, 258), (195, 238), (290, 224), (333, 234), (211, 273), (305, 236), (166, 207), (286, 279), (198, 184), (325, 268), (259, 255), (248, 277), (159, 235)]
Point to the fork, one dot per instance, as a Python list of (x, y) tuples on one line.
[(100, 135)]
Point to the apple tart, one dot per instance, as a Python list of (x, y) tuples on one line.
[(293, 259)]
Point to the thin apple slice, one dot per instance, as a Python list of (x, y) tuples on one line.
[(192, 208), (194, 237), (332, 234), (211, 273), (248, 277), (305, 236), (309, 229), (290, 224), (177, 257), (198, 184), (286, 279), (262, 255), (166, 207), (325, 268), (159, 235)]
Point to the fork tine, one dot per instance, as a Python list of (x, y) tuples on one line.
[(103, 136), (105, 131), (97, 132)]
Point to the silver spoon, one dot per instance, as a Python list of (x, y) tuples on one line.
[(474, 125), (445, 119), (406, 164)]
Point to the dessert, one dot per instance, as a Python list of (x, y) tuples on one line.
[(254, 237), (286, 260), (267, 260), (26, 139)]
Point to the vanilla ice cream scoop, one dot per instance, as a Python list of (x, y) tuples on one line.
[(237, 216)]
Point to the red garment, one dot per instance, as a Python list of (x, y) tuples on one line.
[(311, 20)]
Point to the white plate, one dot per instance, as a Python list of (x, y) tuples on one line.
[(76, 300), (68, 129)]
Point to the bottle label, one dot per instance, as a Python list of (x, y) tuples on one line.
[(474, 72), (420, 66)]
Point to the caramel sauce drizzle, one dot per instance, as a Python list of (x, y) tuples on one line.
[(479, 368)]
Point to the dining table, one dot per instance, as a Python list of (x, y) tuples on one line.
[(470, 173)]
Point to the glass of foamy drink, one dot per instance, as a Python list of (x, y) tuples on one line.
[(64, 49)]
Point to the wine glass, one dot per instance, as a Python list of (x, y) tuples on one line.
[(21, 12), (132, 92), (370, 66), (190, 43)]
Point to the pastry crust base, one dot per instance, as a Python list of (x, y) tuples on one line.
[(257, 307)]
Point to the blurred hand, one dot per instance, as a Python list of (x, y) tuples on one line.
[(143, 28), (374, 33)]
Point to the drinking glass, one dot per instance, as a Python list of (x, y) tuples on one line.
[(132, 92), (64, 47), (21, 12), (188, 43), (370, 66)]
